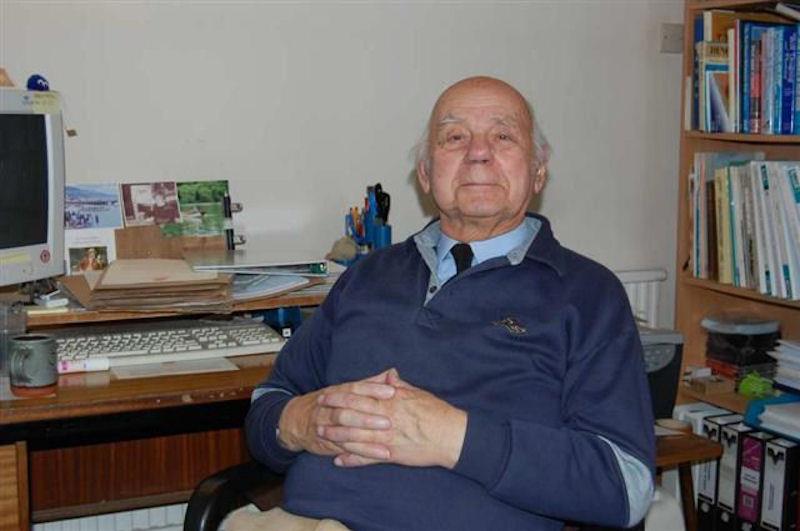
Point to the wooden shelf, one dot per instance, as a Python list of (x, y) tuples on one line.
[(732, 401), (743, 293), (744, 138), (696, 298)]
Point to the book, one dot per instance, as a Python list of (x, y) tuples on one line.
[(708, 472), (751, 479), (723, 212), (257, 262), (730, 438), (779, 492), (712, 57)]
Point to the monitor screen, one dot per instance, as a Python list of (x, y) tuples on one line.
[(31, 186), (23, 180)]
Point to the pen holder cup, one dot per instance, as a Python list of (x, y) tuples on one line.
[(382, 236)]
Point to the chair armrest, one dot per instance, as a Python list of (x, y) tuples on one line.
[(219, 494)]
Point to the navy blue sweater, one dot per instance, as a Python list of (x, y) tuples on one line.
[(544, 356)]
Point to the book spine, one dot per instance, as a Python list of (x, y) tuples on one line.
[(762, 263), (733, 79), (745, 76), (765, 95), (711, 231), (779, 492), (779, 226), (773, 276), (777, 80), (755, 86), (698, 38), (789, 78), (723, 230), (750, 479)]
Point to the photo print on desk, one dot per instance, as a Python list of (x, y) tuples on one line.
[(201, 209), (91, 214), (92, 206), (150, 203), (83, 259)]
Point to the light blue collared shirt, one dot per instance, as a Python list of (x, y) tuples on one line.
[(482, 250)]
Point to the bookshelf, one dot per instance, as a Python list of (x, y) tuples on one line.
[(695, 297)]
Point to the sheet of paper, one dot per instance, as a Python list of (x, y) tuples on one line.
[(661, 431), (89, 249)]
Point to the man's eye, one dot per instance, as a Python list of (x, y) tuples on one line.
[(504, 137), (455, 137)]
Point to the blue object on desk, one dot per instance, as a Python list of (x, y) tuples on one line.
[(38, 83), (285, 320), (756, 407)]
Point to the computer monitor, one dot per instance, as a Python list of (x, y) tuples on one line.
[(31, 186)]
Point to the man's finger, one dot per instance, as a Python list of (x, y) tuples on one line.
[(345, 434), (353, 460), (364, 404), (355, 419), (380, 391), (378, 378), (375, 452)]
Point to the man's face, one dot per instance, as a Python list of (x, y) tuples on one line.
[(481, 159)]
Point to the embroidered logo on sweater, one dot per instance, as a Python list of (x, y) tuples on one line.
[(512, 325)]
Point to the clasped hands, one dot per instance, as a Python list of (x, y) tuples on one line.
[(381, 419)]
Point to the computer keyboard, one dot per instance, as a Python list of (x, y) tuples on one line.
[(100, 348)]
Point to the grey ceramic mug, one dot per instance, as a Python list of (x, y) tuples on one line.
[(32, 360)]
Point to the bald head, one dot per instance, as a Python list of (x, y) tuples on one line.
[(486, 89)]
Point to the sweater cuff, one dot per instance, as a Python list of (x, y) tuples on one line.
[(275, 449), (487, 445)]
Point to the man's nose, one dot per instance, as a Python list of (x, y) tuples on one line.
[(480, 151)]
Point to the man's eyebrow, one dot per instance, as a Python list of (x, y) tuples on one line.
[(507, 120), (449, 119)]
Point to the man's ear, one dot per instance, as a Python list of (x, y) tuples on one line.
[(539, 179), (423, 177)]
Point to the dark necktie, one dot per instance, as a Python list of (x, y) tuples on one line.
[(462, 253)]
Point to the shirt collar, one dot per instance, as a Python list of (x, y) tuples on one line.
[(502, 245), (540, 245)]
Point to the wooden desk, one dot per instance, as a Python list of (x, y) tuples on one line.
[(103, 445), (682, 451)]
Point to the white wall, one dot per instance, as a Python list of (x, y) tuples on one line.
[(302, 104)]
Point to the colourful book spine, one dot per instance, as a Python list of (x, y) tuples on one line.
[(789, 80), (751, 478)]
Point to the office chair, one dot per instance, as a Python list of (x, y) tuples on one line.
[(251, 482), (219, 494)]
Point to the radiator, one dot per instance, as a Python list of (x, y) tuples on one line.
[(643, 289), (167, 518)]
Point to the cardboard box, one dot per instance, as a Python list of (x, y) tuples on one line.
[(712, 385)]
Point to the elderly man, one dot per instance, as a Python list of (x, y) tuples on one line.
[(477, 375)]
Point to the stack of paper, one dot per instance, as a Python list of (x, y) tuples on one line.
[(783, 418), (151, 285), (788, 355), (249, 287)]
